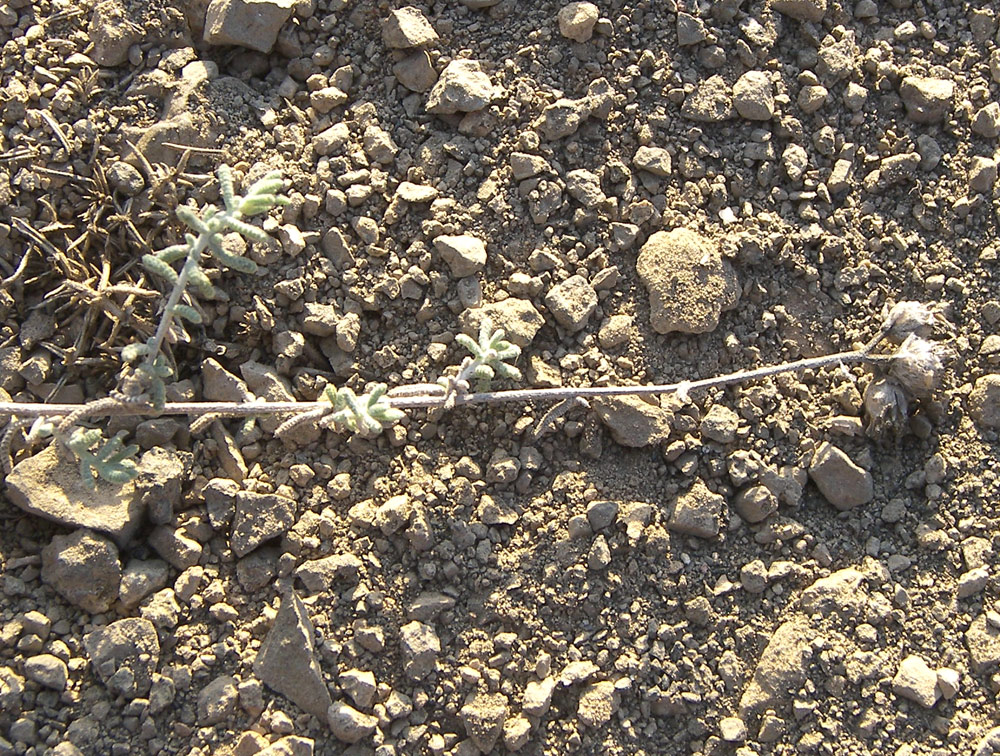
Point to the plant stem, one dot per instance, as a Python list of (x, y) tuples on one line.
[(190, 263), (243, 409)]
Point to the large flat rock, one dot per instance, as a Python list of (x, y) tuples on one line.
[(49, 485)]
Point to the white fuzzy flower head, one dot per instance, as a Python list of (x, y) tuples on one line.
[(908, 318), (918, 365)]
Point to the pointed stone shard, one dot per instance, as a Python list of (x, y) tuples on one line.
[(781, 669), (259, 518), (286, 662), (483, 716)]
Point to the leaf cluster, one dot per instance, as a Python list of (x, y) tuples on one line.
[(151, 372), (110, 459), (210, 226), (367, 414), (491, 356)]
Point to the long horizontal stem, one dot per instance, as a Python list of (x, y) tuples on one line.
[(242, 409)]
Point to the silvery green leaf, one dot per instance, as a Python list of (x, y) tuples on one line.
[(187, 313), (225, 174), (158, 267)]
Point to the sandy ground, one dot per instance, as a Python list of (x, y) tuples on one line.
[(638, 192)]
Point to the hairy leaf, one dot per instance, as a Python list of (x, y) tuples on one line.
[(190, 218), (174, 253), (246, 229), (202, 283), (188, 313), (225, 174), (155, 265)]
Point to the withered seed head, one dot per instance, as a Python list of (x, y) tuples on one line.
[(918, 365), (885, 406), (908, 318)]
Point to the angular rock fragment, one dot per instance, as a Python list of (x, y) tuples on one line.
[(842, 483), (420, 647), (125, 655), (265, 382), (175, 546), (982, 174), (517, 317), (690, 30), (633, 422), (220, 501), (257, 569), (259, 518), (538, 697), (983, 641), (516, 733), (464, 254), (689, 282), (572, 302), (427, 606), (840, 593), (47, 670), (141, 578), (577, 20), (720, 424), (483, 716), (463, 87), (217, 701), (248, 23), (290, 745), (359, 685), (698, 512), (732, 729), (408, 27), (585, 187), (916, 682), (753, 96), (803, 10), (83, 568), (348, 724), (836, 57), (112, 32), (524, 166), (416, 193), (319, 574), (781, 669), (219, 385), (755, 504), (319, 319), (11, 691), (286, 662), (984, 401), (48, 484), (563, 117), (415, 72), (656, 160), (986, 122), (927, 100)]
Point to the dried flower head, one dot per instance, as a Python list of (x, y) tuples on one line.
[(908, 318), (918, 365), (885, 407)]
